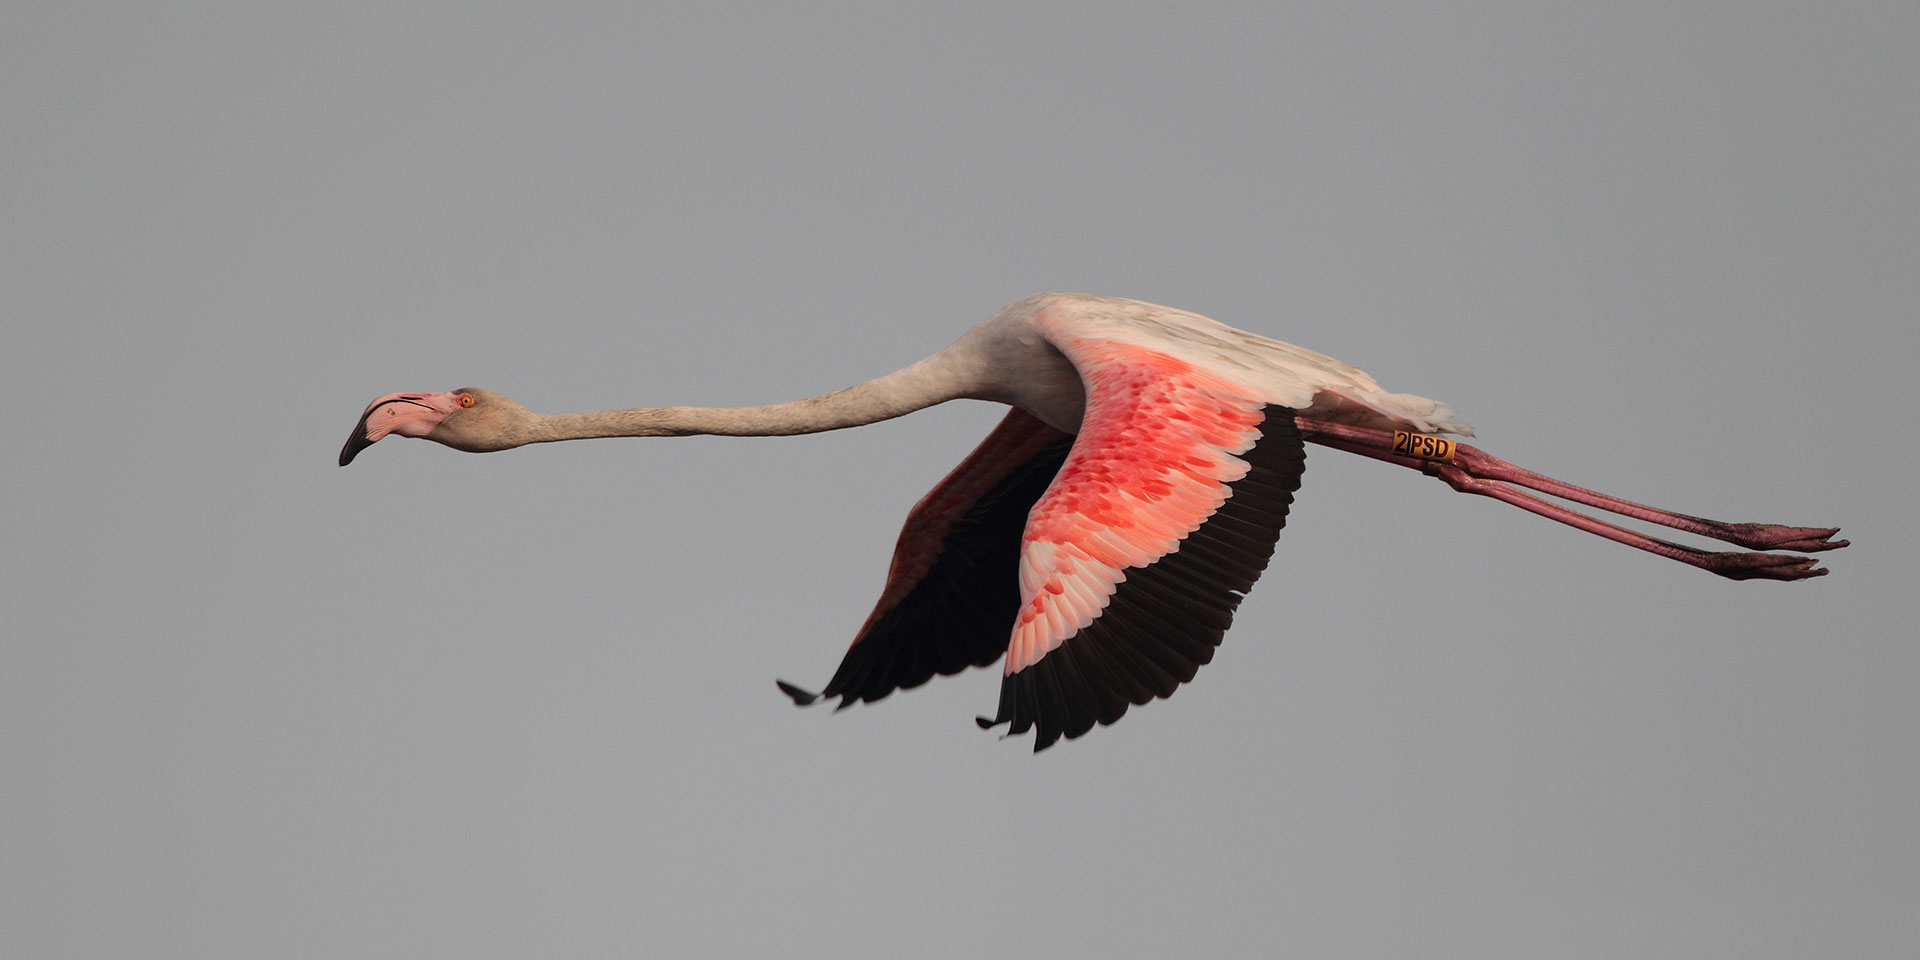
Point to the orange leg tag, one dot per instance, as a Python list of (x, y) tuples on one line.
[(1421, 446)]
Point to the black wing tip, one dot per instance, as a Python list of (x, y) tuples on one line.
[(801, 698), (1041, 742), (1045, 735)]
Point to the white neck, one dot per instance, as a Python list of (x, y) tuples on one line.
[(929, 382)]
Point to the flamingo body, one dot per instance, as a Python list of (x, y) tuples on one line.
[(1099, 541)]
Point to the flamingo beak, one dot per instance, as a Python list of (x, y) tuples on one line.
[(407, 414)]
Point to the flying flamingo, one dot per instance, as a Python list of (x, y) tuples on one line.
[(1104, 533)]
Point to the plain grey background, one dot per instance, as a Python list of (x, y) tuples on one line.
[(434, 705)]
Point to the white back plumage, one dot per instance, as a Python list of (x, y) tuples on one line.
[(1276, 372)]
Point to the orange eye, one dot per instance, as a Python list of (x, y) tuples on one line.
[(466, 400)]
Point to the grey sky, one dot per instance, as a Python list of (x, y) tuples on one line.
[(522, 705)]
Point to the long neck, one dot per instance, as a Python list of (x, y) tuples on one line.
[(929, 382)]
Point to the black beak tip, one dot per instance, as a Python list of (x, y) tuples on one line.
[(355, 444), (357, 440)]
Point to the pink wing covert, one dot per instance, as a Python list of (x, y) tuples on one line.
[(1132, 563)]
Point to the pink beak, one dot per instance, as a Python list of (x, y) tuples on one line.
[(407, 414)]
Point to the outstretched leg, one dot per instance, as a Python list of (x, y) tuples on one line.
[(1471, 470)]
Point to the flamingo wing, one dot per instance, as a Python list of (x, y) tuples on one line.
[(1133, 561), (953, 586)]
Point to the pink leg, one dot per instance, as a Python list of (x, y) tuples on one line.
[(1478, 472)]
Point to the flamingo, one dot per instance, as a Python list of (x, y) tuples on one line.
[(1100, 539)]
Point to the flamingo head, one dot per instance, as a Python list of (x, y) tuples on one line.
[(469, 419)]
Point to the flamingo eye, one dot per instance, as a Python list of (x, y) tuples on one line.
[(466, 400)]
